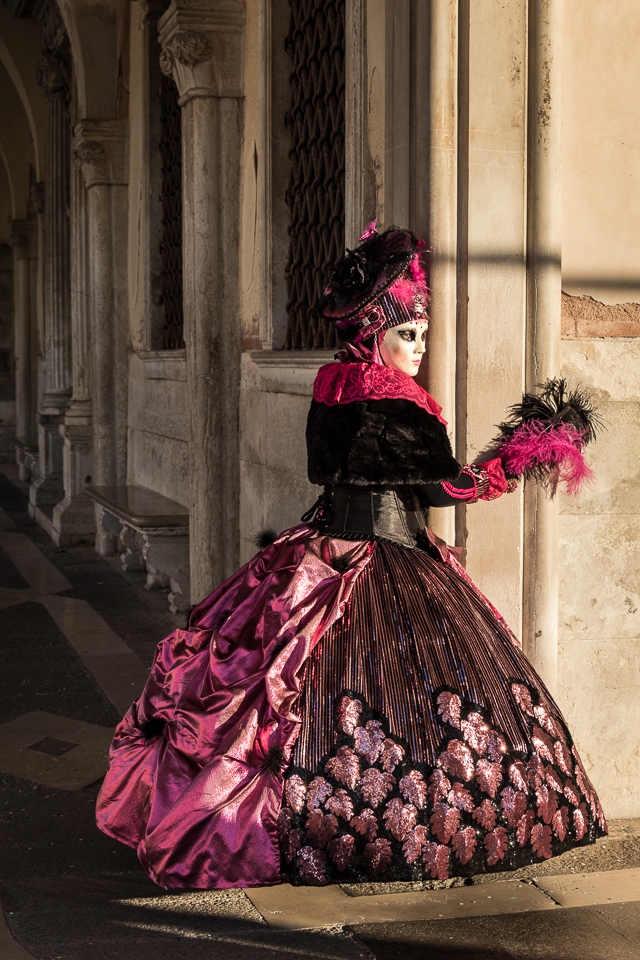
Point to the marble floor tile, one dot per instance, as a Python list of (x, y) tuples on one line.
[(85, 763)]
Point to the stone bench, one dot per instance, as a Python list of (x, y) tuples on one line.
[(152, 532)]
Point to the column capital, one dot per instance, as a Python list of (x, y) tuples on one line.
[(54, 74), (99, 149), (23, 237), (203, 48)]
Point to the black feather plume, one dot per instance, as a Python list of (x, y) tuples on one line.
[(273, 760), (341, 563), (555, 404), (265, 537), (152, 728)]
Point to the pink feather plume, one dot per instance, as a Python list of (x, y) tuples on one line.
[(557, 450), (406, 288)]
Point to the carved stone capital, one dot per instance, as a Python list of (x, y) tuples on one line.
[(99, 150), (23, 237), (54, 74), (203, 49)]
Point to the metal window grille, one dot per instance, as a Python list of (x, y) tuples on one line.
[(171, 198), (315, 195)]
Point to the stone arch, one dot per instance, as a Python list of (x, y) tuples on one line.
[(20, 52), (93, 30), (15, 144)]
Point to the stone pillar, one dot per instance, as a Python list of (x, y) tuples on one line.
[(443, 223), (100, 151), (492, 144), (48, 487), (544, 247), (24, 240), (74, 516), (202, 49), (359, 201)]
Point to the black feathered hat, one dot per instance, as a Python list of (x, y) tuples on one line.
[(378, 285)]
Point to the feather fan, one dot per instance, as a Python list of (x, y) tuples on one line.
[(544, 437)]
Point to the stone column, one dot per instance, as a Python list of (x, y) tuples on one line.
[(100, 151), (48, 487), (359, 201), (74, 516), (443, 223), (544, 247), (202, 49), (492, 144), (23, 236)]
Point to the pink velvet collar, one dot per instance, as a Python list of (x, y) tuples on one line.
[(351, 382)]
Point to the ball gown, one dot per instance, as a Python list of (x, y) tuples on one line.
[(348, 706)]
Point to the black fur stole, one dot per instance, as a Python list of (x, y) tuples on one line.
[(386, 442)]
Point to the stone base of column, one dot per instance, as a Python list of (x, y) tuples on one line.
[(108, 529), (26, 459), (47, 488), (45, 491), (73, 521), (7, 430), (73, 517), (25, 472)]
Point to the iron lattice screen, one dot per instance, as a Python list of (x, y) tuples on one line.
[(171, 198), (315, 195)]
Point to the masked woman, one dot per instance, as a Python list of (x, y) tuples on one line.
[(348, 706)]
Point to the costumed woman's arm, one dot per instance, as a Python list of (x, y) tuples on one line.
[(542, 440), (484, 481)]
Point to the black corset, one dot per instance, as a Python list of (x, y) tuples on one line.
[(374, 513)]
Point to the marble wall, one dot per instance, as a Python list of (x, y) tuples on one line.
[(600, 145), (599, 615), (158, 423), (275, 394)]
